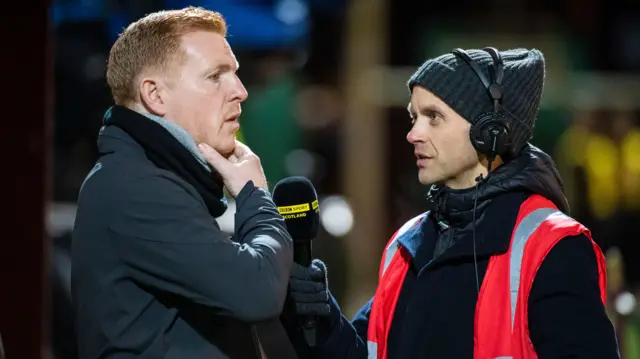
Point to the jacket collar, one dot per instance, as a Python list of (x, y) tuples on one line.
[(175, 130), (493, 233), (532, 171), (166, 151)]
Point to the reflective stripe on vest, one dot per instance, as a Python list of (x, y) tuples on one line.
[(393, 246), (389, 253), (523, 232), (372, 350), (527, 226)]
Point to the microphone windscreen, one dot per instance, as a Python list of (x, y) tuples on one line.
[(297, 202)]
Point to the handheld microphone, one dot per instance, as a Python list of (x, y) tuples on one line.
[(297, 202)]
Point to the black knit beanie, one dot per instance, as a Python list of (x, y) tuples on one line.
[(455, 83)]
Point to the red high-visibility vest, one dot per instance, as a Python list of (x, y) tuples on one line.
[(501, 329)]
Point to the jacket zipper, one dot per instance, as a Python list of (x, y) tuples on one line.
[(256, 341)]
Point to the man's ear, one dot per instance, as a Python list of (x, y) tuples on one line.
[(152, 96)]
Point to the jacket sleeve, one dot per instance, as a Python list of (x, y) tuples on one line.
[(566, 316), (345, 339), (168, 241)]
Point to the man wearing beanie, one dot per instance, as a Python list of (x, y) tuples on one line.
[(496, 268)]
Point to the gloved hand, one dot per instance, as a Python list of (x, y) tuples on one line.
[(308, 289)]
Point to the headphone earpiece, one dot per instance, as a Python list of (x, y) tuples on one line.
[(489, 132), (490, 135)]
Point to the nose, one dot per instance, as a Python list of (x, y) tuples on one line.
[(240, 92), (416, 135)]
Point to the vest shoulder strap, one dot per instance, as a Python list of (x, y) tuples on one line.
[(393, 245)]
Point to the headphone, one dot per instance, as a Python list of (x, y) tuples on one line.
[(489, 132)]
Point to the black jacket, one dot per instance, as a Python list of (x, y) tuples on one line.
[(434, 316), (153, 276)]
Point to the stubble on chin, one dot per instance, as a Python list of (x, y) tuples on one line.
[(228, 152)]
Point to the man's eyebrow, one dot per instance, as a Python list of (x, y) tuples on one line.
[(431, 108), (224, 68)]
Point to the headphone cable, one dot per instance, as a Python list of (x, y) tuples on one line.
[(475, 207)]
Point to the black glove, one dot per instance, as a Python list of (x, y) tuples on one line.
[(308, 289)]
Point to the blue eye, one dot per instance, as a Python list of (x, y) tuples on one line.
[(434, 118)]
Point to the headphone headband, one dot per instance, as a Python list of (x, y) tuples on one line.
[(498, 65), (494, 85)]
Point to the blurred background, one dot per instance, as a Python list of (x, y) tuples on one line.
[(327, 100)]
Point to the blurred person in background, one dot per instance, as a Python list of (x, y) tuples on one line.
[(626, 135), (153, 275), (589, 165), (495, 268)]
